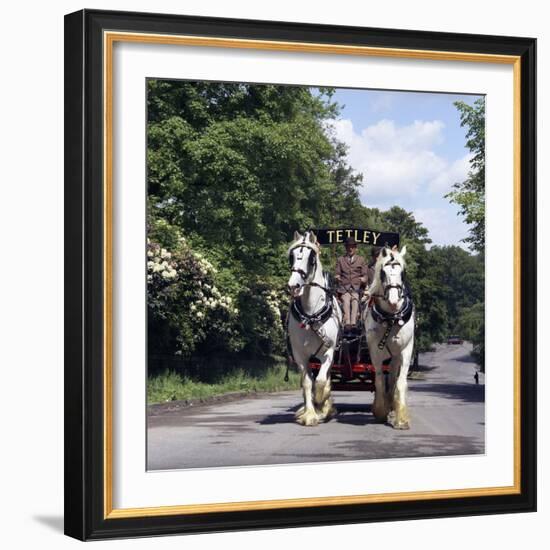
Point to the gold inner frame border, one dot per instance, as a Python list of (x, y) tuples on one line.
[(109, 39)]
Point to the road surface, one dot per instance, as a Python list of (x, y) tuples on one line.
[(447, 418)]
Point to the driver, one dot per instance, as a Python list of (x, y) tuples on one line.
[(351, 275)]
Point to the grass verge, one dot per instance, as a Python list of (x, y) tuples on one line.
[(171, 386)]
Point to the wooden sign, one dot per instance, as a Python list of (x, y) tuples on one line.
[(362, 236)]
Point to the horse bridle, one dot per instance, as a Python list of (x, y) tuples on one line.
[(383, 278), (311, 263)]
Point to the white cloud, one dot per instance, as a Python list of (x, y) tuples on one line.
[(381, 103), (443, 229), (399, 161), (456, 171)]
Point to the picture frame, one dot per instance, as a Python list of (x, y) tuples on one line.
[(90, 36)]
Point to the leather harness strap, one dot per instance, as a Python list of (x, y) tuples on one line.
[(404, 314), (391, 319), (313, 321), (306, 319)]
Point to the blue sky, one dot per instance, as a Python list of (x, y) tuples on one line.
[(410, 148)]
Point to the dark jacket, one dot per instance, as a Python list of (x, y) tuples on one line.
[(351, 272)]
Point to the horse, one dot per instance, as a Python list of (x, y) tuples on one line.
[(313, 327), (389, 331)]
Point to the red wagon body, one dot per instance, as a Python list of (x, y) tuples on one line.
[(350, 376)]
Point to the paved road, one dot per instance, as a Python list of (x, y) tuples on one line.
[(447, 413)]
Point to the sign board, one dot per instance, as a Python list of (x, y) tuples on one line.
[(362, 236)]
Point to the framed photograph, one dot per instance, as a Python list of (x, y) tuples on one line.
[(300, 274)]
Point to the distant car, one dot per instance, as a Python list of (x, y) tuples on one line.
[(455, 340)]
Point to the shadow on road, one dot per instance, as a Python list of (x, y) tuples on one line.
[(466, 358), (414, 445), (468, 393), (286, 417), (283, 417), (354, 414), (424, 368), (348, 413)]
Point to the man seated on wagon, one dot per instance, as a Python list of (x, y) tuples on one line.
[(351, 275)]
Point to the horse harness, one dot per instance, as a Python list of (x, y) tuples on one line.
[(389, 320), (313, 321)]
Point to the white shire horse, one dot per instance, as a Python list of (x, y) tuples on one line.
[(389, 327), (314, 323)]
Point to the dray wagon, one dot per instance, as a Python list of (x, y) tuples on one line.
[(352, 369)]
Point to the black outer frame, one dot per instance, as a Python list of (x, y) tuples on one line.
[(84, 517)]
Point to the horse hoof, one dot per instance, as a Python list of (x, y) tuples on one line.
[(308, 419), (401, 425)]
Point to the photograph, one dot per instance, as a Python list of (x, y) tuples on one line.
[(315, 274)]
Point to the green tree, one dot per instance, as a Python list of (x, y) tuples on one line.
[(471, 324), (233, 170), (469, 195), (462, 280), (236, 168), (425, 274), (399, 220)]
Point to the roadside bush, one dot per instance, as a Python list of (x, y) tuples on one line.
[(186, 308), (197, 306)]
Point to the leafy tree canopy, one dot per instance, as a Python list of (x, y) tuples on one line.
[(233, 171), (469, 195)]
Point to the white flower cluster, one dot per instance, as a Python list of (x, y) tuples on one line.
[(215, 300), (273, 303), (159, 262), (205, 266)]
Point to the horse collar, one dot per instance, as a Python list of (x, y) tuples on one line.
[(307, 319), (401, 317)]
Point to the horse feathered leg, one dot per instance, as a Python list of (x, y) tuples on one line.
[(401, 420), (323, 399), (390, 387), (380, 407), (307, 415)]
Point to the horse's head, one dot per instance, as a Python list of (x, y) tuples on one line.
[(390, 268), (303, 256)]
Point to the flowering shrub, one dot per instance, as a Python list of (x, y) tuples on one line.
[(160, 266), (200, 304), (266, 311), (186, 307)]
